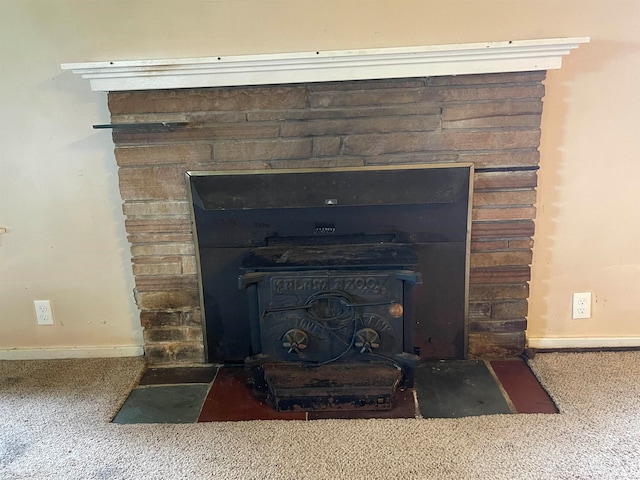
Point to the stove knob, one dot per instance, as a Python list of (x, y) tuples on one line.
[(396, 310), (367, 339), (295, 341)]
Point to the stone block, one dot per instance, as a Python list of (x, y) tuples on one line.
[(413, 157), (352, 85), (337, 98), (488, 78), (328, 146), (498, 230), (207, 99), (155, 354), (498, 326), (489, 293), (377, 144), (216, 117), (150, 319), (479, 310), (489, 245), (325, 162), (161, 249), (170, 300), (521, 244), (494, 122), (166, 283), (163, 224), (163, 154), (174, 117), (506, 213), (512, 198), (483, 93), (153, 183), (502, 180), (491, 110), (157, 269), (240, 165), (192, 317), (173, 334), (196, 133), (509, 309), (170, 353), (226, 151), (157, 259), (189, 117), (155, 208), (345, 112), (495, 259), (496, 345), (409, 123), (491, 275), (190, 353), (152, 237), (188, 265), (156, 335)]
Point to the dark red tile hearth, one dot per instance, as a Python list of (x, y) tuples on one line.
[(230, 399), (523, 388)]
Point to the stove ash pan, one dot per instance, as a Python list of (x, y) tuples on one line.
[(331, 325)]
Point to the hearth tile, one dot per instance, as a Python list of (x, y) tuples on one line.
[(523, 388), (230, 399), (175, 375), (457, 388), (403, 407), (163, 404)]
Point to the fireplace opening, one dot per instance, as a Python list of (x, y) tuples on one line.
[(331, 285)]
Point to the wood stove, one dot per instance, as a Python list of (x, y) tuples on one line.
[(343, 306), (313, 278)]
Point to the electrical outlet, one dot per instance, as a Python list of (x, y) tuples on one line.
[(44, 314), (582, 305)]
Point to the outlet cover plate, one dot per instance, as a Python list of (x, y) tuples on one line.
[(581, 306), (44, 313)]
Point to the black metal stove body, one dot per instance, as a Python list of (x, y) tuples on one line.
[(334, 309)]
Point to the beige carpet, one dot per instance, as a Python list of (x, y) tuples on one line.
[(54, 424)]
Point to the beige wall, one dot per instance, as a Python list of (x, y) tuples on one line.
[(58, 187)]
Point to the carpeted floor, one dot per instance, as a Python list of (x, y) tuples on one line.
[(54, 424)]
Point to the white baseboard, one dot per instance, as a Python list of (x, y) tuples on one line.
[(582, 342), (50, 353)]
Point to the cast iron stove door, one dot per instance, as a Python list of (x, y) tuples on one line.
[(323, 316)]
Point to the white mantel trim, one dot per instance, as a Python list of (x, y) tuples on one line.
[(398, 62)]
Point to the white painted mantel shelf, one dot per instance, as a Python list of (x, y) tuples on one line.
[(323, 66)]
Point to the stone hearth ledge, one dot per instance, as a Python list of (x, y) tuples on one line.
[(324, 66)]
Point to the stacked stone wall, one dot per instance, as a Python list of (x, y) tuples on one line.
[(492, 121)]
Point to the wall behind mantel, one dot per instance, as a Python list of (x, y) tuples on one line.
[(58, 180)]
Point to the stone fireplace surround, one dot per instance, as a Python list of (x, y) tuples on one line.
[(399, 113)]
